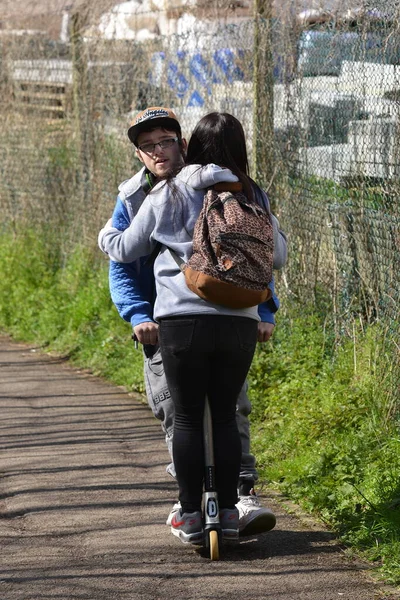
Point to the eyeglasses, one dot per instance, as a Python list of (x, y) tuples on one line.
[(149, 148)]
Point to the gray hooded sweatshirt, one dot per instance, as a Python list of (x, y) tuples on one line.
[(168, 215)]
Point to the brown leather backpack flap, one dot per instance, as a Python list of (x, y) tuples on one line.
[(220, 292)]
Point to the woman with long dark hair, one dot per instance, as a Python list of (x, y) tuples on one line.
[(206, 348)]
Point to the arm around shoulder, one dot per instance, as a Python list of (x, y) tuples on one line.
[(135, 241)]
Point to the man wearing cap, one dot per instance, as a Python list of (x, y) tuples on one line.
[(156, 134)]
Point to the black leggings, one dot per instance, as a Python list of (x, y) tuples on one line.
[(206, 355)]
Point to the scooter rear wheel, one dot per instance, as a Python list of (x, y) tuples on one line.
[(213, 545)]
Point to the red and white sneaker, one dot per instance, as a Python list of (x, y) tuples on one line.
[(229, 521), (174, 510), (188, 527)]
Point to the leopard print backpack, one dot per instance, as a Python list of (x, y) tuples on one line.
[(233, 246)]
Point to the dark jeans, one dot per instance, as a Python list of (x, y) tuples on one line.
[(206, 355)]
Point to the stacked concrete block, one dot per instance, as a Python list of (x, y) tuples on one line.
[(373, 151), (287, 107), (368, 79), (380, 107), (375, 147), (329, 119), (333, 162), (350, 126), (310, 90)]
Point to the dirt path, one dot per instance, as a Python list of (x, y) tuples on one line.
[(84, 496)]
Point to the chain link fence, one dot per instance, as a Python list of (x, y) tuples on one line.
[(317, 92)]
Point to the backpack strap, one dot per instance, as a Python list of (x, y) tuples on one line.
[(228, 186), (181, 263), (152, 257)]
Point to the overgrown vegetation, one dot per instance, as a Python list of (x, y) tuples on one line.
[(325, 430), (63, 304), (368, 192), (325, 415)]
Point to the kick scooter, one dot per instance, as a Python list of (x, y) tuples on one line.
[(212, 527)]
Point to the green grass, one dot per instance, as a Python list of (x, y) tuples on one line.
[(364, 192), (325, 420), (63, 304), (325, 431)]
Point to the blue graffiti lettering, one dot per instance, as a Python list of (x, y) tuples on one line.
[(176, 80)]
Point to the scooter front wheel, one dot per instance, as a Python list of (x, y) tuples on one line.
[(213, 544)]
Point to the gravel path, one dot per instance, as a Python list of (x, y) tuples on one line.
[(84, 496)]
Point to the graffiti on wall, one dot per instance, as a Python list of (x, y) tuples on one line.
[(190, 76)]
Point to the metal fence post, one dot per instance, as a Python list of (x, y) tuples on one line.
[(81, 100), (264, 160)]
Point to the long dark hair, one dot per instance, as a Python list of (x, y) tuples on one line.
[(219, 138)]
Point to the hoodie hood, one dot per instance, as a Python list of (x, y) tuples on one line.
[(199, 177)]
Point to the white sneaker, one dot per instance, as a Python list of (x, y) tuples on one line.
[(176, 507), (254, 518)]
